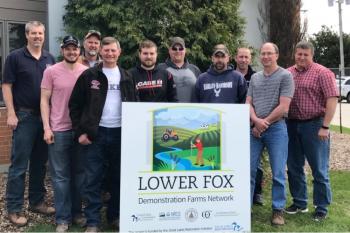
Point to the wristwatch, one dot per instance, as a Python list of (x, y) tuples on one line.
[(324, 127)]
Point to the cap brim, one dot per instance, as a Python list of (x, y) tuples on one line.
[(177, 43), (70, 43), (93, 34), (220, 51)]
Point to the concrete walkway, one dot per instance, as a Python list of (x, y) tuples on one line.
[(345, 110)]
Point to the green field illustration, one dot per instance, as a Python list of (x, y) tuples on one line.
[(186, 138)]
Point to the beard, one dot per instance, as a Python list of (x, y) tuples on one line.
[(148, 63), (220, 66), (70, 61), (92, 52)]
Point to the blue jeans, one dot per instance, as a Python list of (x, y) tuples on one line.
[(106, 146), (305, 144), (67, 172), (27, 146), (275, 139)]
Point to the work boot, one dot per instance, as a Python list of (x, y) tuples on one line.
[(62, 227), (277, 218), (79, 220), (17, 219), (92, 229), (43, 208)]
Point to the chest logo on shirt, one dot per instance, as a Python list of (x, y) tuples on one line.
[(149, 84), (114, 87), (217, 87), (95, 84)]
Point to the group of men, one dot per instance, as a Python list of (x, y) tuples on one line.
[(72, 110)]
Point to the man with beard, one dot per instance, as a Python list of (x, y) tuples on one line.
[(221, 83), (92, 43), (56, 89), (185, 74), (152, 83), (23, 73)]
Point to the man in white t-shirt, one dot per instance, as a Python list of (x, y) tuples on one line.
[(65, 166), (95, 110)]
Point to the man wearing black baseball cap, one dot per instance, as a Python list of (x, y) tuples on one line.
[(92, 42), (66, 164), (221, 83), (184, 74)]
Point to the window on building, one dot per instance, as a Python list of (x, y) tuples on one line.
[(16, 34), (13, 38), (1, 60)]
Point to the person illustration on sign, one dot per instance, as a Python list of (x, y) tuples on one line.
[(199, 145)]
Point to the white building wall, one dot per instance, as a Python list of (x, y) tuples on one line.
[(56, 30), (251, 11)]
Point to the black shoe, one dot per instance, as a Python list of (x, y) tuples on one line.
[(319, 216), (258, 199), (293, 209)]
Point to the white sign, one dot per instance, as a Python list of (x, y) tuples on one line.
[(185, 168)]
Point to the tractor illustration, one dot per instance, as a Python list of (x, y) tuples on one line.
[(169, 134)]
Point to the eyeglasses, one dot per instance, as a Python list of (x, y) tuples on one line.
[(177, 49), (267, 54)]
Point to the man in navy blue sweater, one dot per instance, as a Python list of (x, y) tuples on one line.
[(221, 83)]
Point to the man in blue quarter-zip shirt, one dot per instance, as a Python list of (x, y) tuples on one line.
[(221, 83)]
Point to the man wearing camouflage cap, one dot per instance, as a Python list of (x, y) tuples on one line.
[(92, 43)]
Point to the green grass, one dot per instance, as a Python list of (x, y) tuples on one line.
[(338, 217), (336, 128), (337, 221)]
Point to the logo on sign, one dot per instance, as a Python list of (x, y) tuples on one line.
[(206, 214), (191, 215)]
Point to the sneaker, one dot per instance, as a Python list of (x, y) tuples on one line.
[(92, 229), (319, 216), (258, 199), (277, 218), (18, 219), (62, 227), (79, 220), (42, 208), (293, 209)]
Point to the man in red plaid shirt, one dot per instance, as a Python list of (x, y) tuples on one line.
[(310, 114)]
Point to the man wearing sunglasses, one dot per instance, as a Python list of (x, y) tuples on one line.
[(185, 74), (92, 43)]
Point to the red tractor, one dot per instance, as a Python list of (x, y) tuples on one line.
[(169, 134)]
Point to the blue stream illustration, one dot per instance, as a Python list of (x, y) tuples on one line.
[(183, 164)]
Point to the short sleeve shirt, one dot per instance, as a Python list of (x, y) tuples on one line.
[(60, 81), (312, 88), (265, 91), (25, 73)]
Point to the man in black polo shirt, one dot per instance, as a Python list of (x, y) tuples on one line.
[(23, 73)]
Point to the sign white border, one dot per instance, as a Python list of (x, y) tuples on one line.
[(185, 208)]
